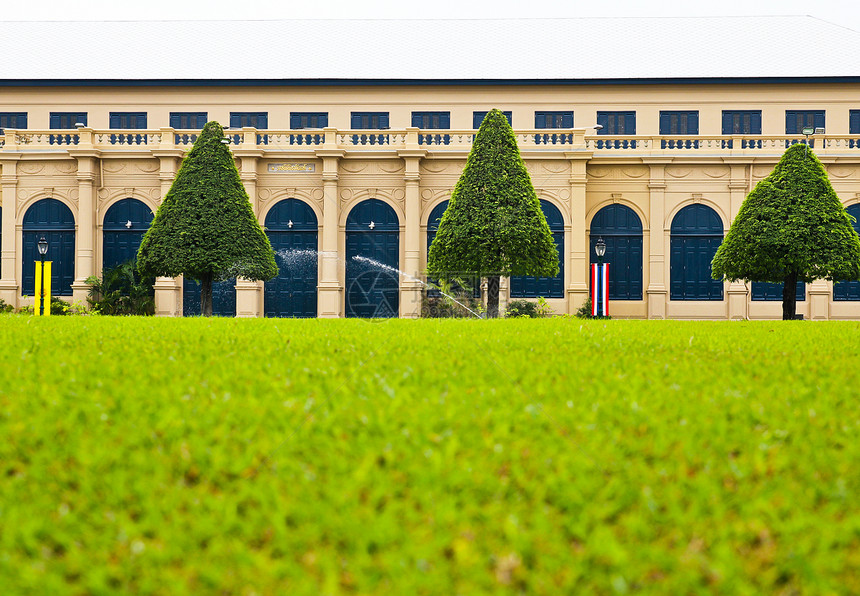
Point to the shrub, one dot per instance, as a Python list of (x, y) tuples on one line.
[(122, 291)]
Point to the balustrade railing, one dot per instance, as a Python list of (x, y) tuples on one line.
[(433, 141)]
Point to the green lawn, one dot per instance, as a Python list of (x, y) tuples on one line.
[(156, 456)]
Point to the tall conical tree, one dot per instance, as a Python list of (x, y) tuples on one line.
[(494, 225), (205, 228), (791, 227)]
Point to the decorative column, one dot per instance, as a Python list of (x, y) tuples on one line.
[(658, 266), (577, 289), (9, 287), (87, 157), (249, 294), (168, 290), (738, 303), (330, 299), (411, 289)]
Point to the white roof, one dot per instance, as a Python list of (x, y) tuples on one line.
[(521, 49)]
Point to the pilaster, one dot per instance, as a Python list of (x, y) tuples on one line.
[(658, 267), (330, 296), (168, 298), (85, 238), (577, 248), (410, 287), (738, 294), (8, 199), (168, 290)]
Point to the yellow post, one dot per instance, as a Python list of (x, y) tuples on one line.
[(47, 288), (37, 308)]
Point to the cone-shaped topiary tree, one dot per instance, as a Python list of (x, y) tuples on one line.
[(494, 225), (791, 227), (205, 228)]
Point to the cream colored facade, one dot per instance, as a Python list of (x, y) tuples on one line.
[(579, 176)]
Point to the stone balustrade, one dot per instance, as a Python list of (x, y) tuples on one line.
[(434, 141)]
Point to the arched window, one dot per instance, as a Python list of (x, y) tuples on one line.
[(125, 223), (53, 220), (849, 290), (621, 230), (372, 261), (696, 233), (291, 226), (528, 286)]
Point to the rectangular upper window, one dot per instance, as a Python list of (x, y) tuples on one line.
[(368, 120), (553, 119), (617, 123), (308, 120), (431, 120), (258, 120), (188, 120), (478, 117), (67, 120), (679, 123), (853, 122), (16, 120), (741, 122), (797, 120), (130, 120)]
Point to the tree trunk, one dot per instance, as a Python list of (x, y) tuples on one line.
[(493, 297), (206, 295), (789, 296)]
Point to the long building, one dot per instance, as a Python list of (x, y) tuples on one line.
[(350, 136)]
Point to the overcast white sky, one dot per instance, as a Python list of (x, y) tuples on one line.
[(844, 12)]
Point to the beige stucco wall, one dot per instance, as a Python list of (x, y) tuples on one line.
[(578, 178)]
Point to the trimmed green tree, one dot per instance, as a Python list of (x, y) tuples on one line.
[(205, 228), (791, 227), (493, 225)]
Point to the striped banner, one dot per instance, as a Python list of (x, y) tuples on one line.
[(600, 290)]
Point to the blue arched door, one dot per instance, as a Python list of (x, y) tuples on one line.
[(696, 233), (528, 286), (292, 229), (849, 290), (621, 230), (125, 223), (53, 220), (372, 261), (223, 298)]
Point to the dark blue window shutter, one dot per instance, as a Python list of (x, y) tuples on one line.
[(55, 121), (665, 123), (235, 120), (540, 120), (791, 126), (175, 120), (755, 123), (383, 120), (630, 123), (445, 120), (355, 121), (819, 119), (854, 122), (115, 121), (477, 118), (603, 120), (693, 123), (417, 119), (201, 120), (567, 120), (727, 123)]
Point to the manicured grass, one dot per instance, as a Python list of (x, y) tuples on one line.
[(154, 456)]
